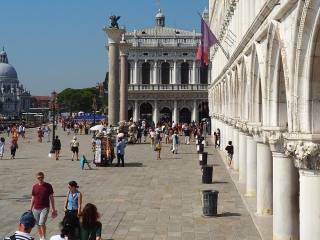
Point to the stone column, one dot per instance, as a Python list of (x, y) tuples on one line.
[(136, 114), (155, 112), (194, 78), (251, 167), (306, 158), (242, 157), (174, 80), (136, 80), (114, 36), (236, 150), (155, 73), (264, 179), (285, 195), (175, 112), (309, 204), (194, 111), (124, 50)]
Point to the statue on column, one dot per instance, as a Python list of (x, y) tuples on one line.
[(113, 21)]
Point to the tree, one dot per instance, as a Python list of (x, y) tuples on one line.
[(78, 99)]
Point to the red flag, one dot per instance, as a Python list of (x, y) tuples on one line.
[(203, 57)]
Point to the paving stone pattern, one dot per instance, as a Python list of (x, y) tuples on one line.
[(146, 199)]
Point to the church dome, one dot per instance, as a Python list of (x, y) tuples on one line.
[(7, 71)]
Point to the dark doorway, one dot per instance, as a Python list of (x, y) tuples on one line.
[(166, 115), (203, 110), (185, 115), (146, 111)]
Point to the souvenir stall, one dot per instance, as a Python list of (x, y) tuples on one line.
[(103, 149)]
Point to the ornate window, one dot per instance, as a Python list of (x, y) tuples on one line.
[(145, 73), (184, 73), (204, 74), (165, 73)]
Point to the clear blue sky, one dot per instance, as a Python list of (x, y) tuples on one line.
[(58, 44)]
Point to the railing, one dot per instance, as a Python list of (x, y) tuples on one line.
[(167, 87)]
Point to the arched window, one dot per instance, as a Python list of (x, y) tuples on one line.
[(129, 76), (184, 73), (204, 74), (145, 73), (165, 73)]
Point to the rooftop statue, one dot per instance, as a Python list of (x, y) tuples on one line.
[(113, 21)]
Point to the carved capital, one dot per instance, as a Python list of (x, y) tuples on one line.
[(242, 126), (304, 154), (274, 139)]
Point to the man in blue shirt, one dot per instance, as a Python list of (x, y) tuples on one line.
[(120, 152)]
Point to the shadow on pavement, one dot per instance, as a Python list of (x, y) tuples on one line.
[(228, 214)]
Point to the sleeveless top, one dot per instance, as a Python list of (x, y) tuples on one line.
[(73, 200)]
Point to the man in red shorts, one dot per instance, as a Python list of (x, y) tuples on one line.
[(42, 195)]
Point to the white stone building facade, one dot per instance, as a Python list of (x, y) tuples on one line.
[(166, 82), (13, 97), (266, 99)]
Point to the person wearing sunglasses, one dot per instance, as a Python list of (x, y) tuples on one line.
[(27, 222), (42, 195)]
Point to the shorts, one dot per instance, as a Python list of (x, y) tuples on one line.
[(41, 216), (75, 149), (230, 156)]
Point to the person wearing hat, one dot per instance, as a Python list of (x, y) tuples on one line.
[(27, 222), (74, 145), (73, 200)]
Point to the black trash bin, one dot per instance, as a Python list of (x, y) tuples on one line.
[(86, 131), (207, 171), (200, 148), (203, 156), (210, 202)]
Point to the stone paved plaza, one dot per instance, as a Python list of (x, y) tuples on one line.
[(147, 199)]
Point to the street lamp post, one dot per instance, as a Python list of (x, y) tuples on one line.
[(94, 107), (53, 106)]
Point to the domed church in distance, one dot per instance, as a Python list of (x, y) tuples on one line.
[(14, 99)]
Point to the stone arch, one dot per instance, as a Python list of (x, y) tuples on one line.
[(255, 98), (130, 105), (277, 88), (244, 89), (237, 93), (308, 75), (146, 110), (306, 32), (168, 104)]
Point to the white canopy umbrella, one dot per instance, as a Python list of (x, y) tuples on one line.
[(97, 128)]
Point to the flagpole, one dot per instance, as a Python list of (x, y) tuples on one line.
[(218, 42)]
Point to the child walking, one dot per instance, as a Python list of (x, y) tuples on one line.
[(229, 149)]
